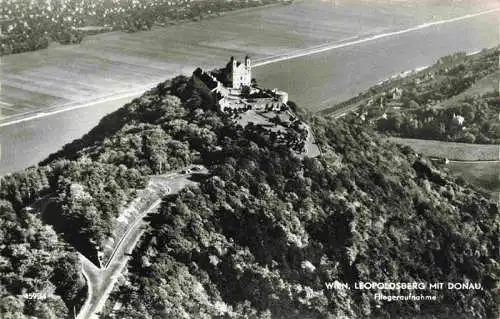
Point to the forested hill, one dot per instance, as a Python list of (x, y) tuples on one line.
[(266, 230), (264, 234)]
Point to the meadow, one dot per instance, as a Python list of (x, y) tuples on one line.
[(451, 151), (485, 175), (475, 163)]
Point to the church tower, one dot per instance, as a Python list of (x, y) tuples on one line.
[(241, 73), (248, 64)]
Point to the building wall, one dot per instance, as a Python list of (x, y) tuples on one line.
[(232, 98), (263, 103), (282, 96), (227, 103)]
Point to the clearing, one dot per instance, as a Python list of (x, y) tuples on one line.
[(450, 150)]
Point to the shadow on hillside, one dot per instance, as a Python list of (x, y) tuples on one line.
[(69, 231)]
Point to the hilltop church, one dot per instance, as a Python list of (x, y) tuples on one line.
[(240, 74), (232, 88)]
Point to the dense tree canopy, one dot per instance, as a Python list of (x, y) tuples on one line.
[(260, 236), (34, 260), (454, 100), (263, 234)]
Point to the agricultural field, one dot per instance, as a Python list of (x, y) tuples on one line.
[(485, 175), (452, 151), (475, 163)]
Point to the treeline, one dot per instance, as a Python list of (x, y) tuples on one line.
[(263, 234), (472, 120), (450, 76), (28, 26), (40, 271)]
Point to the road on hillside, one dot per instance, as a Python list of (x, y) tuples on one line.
[(100, 281), (310, 146)]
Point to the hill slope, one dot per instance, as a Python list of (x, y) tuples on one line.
[(263, 236), (454, 100), (266, 231)]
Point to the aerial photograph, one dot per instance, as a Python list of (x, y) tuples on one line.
[(260, 159)]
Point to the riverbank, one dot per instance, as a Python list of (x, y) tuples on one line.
[(137, 91), (118, 63), (28, 116), (114, 62)]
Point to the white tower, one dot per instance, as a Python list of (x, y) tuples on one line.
[(241, 73), (248, 64), (248, 73)]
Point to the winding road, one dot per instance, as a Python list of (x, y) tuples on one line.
[(100, 281)]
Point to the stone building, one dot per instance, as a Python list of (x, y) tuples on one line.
[(231, 87), (241, 73)]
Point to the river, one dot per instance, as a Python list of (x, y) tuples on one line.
[(314, 81)]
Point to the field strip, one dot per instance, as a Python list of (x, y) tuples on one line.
[(5, 104), (475, 162), (263, 61), (61, 109), (325, 48), (453, 151)]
